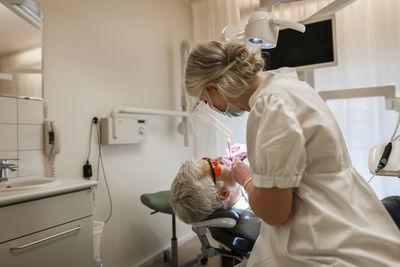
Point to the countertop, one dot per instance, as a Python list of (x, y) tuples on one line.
[(64, 185)]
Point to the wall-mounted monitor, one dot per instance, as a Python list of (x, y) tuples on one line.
[(315, 48)]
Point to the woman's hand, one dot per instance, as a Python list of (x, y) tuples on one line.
[(273, 205), (241, 172)]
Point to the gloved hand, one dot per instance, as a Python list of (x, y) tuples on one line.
[(241, 172)]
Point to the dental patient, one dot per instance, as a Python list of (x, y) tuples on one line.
[(203, 186)]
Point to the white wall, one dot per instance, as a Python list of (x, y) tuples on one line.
[(102, 54)]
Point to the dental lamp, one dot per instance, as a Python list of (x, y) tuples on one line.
[(261, 29)]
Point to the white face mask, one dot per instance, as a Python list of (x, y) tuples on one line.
[(231, 109)]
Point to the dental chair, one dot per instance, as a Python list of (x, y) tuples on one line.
[(233, 247)]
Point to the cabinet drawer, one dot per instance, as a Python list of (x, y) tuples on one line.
[(67, 245), (33, 216)]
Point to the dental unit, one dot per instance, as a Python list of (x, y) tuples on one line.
[(382, 158)]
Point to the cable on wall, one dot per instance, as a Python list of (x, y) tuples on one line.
[(100, 162), (87, 168)]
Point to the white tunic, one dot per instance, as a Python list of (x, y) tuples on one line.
[(293, 141)]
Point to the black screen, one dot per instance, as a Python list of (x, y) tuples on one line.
[(296, 49)]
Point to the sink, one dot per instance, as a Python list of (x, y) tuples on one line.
[(28, 183)]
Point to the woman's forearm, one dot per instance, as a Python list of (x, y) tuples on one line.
[(272, 205)]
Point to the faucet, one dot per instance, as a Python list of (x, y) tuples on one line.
[(4, 167)]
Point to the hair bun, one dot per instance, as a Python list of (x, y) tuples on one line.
[(235, 51), (230, 65)]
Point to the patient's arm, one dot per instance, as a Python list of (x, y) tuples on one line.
[(272, 205)]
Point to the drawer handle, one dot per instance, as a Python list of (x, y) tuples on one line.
[(45, 239)]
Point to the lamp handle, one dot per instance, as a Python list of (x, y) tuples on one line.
[(231, 33), (290, 24)]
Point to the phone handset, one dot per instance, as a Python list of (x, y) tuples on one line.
[(52, 144)]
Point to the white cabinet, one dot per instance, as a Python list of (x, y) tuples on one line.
[(54, 231)]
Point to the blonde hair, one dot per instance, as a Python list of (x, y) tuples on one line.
[(231, 66), (193, 195)]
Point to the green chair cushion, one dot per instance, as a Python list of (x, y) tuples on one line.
[(158, 201)]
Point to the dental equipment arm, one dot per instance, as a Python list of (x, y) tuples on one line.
[(330, 9), (143, 111), (378, 159), (388, 91), (183, 127)]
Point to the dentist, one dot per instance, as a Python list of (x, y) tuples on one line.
[(316, 209)]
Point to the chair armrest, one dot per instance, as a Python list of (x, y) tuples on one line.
[(219, 222), (220, 218)]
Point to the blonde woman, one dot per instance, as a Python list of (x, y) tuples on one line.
[(316, 209)]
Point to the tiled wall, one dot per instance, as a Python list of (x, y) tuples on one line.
[(21, 135)]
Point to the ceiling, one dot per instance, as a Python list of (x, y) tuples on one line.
[(16, 34)]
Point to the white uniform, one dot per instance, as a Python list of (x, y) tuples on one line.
[(293, 141)]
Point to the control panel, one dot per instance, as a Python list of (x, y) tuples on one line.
[(128, 130)]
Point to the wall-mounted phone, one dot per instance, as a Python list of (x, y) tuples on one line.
[(52, 144)]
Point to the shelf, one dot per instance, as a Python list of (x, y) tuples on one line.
[(26, 71)]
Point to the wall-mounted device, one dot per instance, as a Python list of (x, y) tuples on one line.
[(126, 129), (382, 158), (52, 144), (130, 130)]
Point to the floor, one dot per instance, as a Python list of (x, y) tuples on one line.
[(189, 251)]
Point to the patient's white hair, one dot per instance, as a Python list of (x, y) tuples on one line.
[(193, 195), (230, 65)]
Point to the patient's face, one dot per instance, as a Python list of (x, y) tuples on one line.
[(226, 173)]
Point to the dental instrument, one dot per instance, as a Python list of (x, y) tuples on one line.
[(235, 151), (383, 158), (230, 159)]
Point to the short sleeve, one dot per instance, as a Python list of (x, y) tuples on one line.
[(275, 137)]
